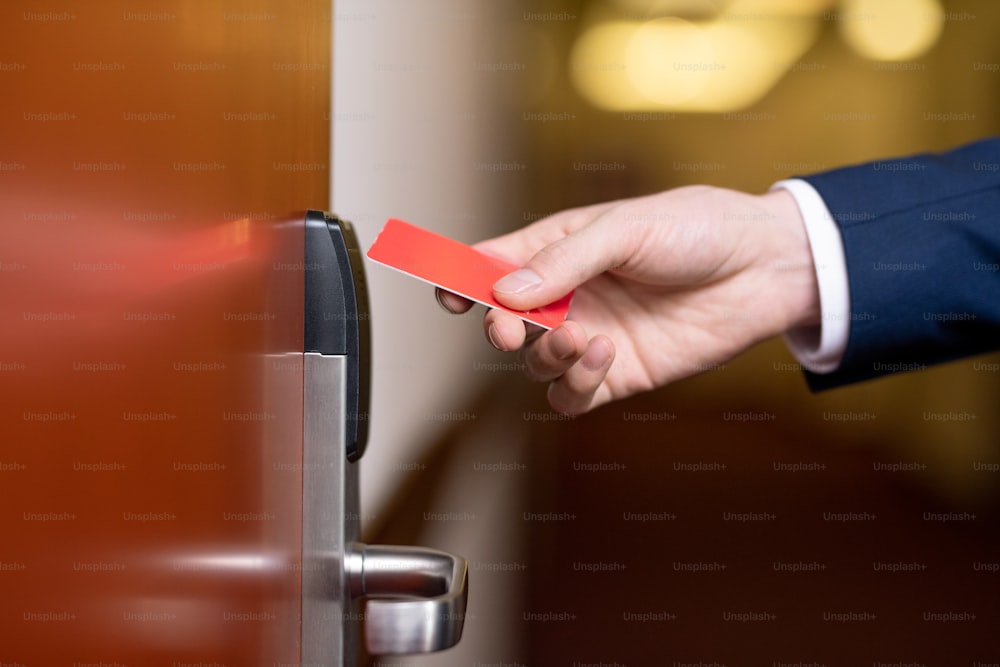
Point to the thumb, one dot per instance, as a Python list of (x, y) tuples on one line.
[(563, 265)]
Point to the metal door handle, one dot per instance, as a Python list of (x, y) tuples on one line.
[(418, 597)]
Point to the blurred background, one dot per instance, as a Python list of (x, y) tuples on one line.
[(730, 519), (604, 539)]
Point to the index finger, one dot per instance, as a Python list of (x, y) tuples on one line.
[(520, 245)]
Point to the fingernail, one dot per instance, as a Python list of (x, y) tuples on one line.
[(494, 337), (563, 344), (596, 356), (439, 295), (519, 282)]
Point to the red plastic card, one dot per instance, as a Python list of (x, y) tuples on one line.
[(455, 267)]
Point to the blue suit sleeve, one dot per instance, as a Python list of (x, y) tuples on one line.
[(922, 244)]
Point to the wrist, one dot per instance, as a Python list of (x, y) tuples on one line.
[(791, 263)]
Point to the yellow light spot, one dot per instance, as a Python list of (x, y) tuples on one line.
[(891, 29), (670, 60), (723, 64)]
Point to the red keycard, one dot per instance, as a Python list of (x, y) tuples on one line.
[(455, 267)]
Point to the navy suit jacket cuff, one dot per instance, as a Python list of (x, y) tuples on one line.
[(922, 245)]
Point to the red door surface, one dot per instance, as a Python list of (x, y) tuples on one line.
[(154, 161)]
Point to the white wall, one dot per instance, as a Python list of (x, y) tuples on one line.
[(416, 108), (410, 109)]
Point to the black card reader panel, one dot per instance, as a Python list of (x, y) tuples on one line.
[(337, 318)]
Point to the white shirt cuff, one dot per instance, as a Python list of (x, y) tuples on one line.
[(820, 348)]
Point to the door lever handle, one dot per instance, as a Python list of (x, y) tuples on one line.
[(417, 597)]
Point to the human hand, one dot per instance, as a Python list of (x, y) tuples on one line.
[(667, 286)]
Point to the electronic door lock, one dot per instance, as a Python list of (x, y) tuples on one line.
[(415, 598)]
